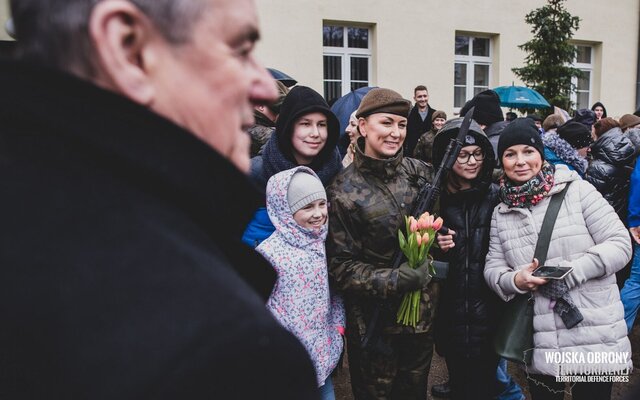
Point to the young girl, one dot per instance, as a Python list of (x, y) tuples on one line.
[(468, 310), (301, 301)]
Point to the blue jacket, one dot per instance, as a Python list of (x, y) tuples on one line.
[(634, 197), (552, 158)]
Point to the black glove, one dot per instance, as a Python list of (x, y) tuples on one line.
[(410, 279)]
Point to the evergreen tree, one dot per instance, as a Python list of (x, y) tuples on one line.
[(550, 53)]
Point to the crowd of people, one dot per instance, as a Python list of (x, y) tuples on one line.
[(146, 255)]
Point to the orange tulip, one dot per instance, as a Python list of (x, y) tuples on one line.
[(418, 239), (437, 224), (413, 224), (425, 237)]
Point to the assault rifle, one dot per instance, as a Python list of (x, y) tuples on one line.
[(426, 200)]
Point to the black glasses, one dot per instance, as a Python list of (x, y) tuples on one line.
[(464, 157)]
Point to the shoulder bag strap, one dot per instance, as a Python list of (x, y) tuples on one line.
[(544, 237)]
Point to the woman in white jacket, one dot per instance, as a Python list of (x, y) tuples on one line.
[(578, 322)]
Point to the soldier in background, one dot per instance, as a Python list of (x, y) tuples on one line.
[(368, 203)]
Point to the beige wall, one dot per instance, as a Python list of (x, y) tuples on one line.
[(4, 15), (413, 41)]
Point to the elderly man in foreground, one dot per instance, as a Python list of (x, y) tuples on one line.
[(122, 166)]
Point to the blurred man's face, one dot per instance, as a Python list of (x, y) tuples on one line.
[(421, 98), (211, 84)]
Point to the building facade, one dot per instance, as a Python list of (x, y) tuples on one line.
[(456, 48)]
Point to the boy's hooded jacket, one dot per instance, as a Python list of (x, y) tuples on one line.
[(301, 299)]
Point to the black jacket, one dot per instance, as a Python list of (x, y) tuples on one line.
[(416, 127), (468, 309), (121, 269), (613, 154)]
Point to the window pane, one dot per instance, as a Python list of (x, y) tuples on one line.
[(460, 74), (359, 69), (478, 89), (358, 85), (358, 38), (332, 67), (584, 54), (481, 75), (462, 45), (481, 47), (332, 91), (333, 36), (583, 100), (583, 83), (459, 96)]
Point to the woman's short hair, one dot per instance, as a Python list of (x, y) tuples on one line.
[(604, 125)]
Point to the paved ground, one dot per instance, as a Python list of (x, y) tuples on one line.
[(438, 374)]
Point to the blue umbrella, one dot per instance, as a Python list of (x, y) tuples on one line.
[(343, 107), (520, 97), (282, 77)]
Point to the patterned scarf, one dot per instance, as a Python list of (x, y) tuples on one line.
[(565, 152), (531, 192)]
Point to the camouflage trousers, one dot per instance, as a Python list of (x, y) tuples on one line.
[(399, 374)]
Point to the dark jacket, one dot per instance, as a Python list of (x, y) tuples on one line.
[(468, 309), (493, 133), (416, 127), (369, 200), (613, 153), (122, 272)]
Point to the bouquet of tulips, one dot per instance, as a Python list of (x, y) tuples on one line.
[(415, 245)]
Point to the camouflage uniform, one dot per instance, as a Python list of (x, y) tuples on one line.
[(260, 132), (424, 147), (368, 202)]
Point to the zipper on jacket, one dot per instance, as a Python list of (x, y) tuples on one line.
[(466, 274)]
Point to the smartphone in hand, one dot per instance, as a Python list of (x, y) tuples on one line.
[(551, 272)]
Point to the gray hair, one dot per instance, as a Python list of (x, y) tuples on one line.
[(57, 33)]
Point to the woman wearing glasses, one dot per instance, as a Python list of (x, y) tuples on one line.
[(468, 308)]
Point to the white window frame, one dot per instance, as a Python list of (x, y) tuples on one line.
[(471, 61), (585, 67), (345, 53)]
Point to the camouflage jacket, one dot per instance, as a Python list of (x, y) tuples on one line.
[(424, 147), (368, 202), (260, 132)]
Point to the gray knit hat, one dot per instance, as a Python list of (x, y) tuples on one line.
[(381, 100), (304, 188)]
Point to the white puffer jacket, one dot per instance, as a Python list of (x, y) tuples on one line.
[(589, 236)]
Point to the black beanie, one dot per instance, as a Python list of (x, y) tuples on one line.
[(576, 134), (584, 116), (302, 100), (520, 131), (487, 110)]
